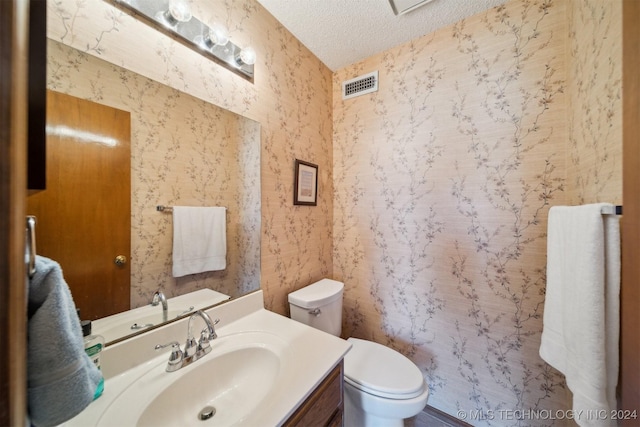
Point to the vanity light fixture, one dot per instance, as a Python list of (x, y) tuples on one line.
[(174, 18)]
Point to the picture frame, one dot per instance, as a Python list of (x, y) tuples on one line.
[(305, 186)]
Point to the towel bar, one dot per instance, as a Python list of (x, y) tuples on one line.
[(163, 208), (611, 210)]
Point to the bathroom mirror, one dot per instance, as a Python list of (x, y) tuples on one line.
[(184, 151)]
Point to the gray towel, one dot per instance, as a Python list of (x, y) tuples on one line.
[(61, 378)]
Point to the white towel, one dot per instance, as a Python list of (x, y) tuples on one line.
[(199, 240), (581, 311)]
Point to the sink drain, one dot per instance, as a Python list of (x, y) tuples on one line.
[(206, 413)]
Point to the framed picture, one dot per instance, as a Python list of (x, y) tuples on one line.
[(305, 187)]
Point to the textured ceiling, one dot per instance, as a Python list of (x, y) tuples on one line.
[(341, 32)]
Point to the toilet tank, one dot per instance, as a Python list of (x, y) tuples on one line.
[(319, 305)]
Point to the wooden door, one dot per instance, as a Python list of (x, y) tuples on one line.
[(84, 214), (630, 290)]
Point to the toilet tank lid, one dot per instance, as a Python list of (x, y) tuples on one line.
[(317, 294)]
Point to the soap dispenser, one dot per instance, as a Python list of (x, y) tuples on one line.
[(93, 345)]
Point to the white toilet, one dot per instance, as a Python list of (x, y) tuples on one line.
[(382, 387)]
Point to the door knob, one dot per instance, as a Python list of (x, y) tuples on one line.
[(120, 260)]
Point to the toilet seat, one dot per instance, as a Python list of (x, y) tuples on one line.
[(381, 371)]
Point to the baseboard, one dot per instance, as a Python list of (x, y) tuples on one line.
[(444, 417)]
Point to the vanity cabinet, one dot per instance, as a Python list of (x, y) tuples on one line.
[(325, 406)]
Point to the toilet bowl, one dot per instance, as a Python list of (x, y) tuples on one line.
[(382, 387)]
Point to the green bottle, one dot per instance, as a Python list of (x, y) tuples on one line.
[(93, 345)]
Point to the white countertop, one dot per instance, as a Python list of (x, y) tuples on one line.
[(310, 355)]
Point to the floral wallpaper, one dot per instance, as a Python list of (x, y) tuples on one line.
[(442, 184), (433, 191), (290, 98), (184, 152), (595, 119)]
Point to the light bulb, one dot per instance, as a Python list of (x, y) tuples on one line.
[(247, 56), (177, 12), (211, 37), (217, 35)]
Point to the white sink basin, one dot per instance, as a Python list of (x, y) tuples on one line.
[(235, 378)]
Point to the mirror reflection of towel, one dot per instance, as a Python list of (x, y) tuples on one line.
[(199, 239), (62, 379)]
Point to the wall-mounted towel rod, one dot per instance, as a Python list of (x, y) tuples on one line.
[(163, 208), (611, 210)]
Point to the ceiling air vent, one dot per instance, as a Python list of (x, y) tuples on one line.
[(360, 85)]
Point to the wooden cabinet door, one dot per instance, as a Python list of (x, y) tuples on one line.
[(84, 214), (325, 406)]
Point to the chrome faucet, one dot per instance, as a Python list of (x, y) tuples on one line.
[(192, 350), (158, 298)]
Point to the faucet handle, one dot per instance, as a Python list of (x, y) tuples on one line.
[(213, 335), (176, 356), (190, 347), (206, 336), (203, 344)]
